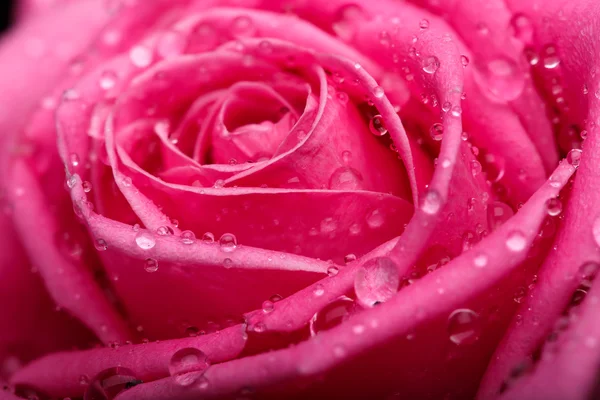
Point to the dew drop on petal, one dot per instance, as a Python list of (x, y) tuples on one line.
[(188, 237), (430, 64), (228, 242), (145, 240), (267, 306), (208, 237), (376, 281), (436, 131), (554, 206), (550, 58), (164, 231), (108, 79), (377, 126), (187, 365), (522, 27), (345, 178), (431, 202), (516, 241), (497, 214), (375, 219), (140, 56), (86, 186), (480, 260), (319, 290), (101, 244), (503, 78), (151, 265), (475, 167), (464, 60), (333, 314), (424, 24), (574, 157), (109, 383), (463, 326), (333, 270), (378, 92), (348, 258)]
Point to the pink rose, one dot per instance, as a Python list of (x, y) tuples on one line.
[(300, 199)]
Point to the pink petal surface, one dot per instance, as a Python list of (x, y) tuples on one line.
[(59, 374), (556, 277), (416, 307)]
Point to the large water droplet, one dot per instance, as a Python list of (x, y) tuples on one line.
[(503, 78), (110, 383), (188, 237), (345, 178), (463, 326), (187, 365), (522, 27), (376, 281), (375, 219), (430, 64), (108, 79), (436, 131), (497, 214), (516, 241), (554, 206), (332, 315), (574, 157), (431, 202), (145, 240), (228, 242), (377, 126), (347, 18), (141, 56)]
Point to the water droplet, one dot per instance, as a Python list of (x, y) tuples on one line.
[(376, 281), (228, 242), (328, 225), (109, 383), (375, 219), (531, 56), (319, 290), (522, 27), (431, 202), (346, 157), (187, 365), (516, 241), (151, 265), (145, 240), (480, 260), (164, 230), (140, 56), (550, 59), (171, 44), (463, 326), (332, 315), (348, 258), (424, 24), (347, 18), (385, 39), (456, 111), (475, 167), (108, 79), (101, 244), (333, 270), (464, 60), (243, 26), (86, 186), (497, 214), (436, 131), (378, 92), (377, 126), (345, 178), (554, 206), (268, 306), (188, 237), (430, 64), (574, 157), (208, 237), (504, 79), (74, 159)]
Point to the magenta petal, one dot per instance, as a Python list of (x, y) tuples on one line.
[(60, 374)]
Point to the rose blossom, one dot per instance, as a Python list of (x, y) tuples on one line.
[(300, 199)]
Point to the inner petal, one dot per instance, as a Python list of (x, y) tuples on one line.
[(244, 132)]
